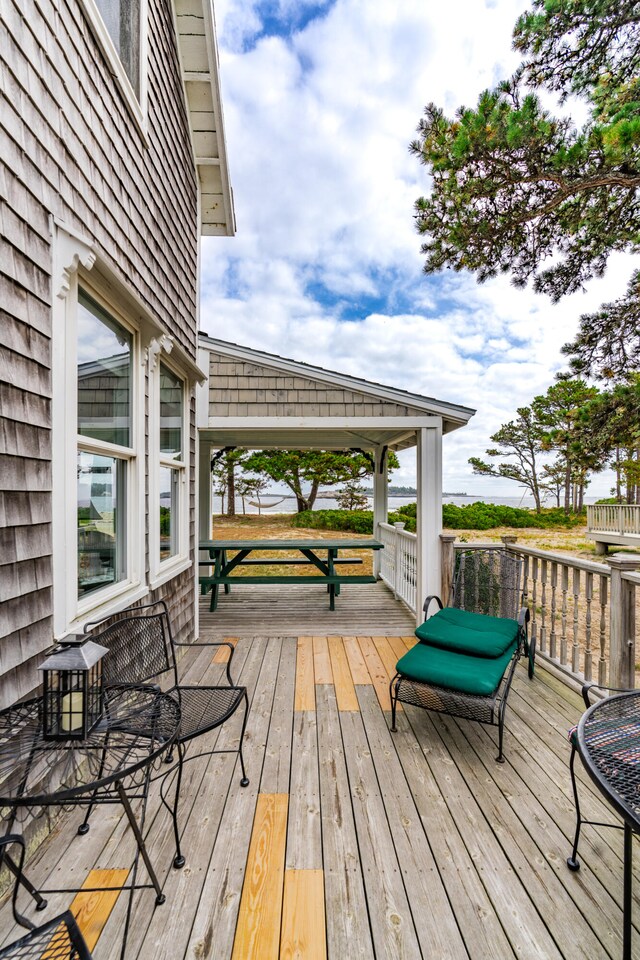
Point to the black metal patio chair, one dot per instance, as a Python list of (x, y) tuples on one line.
[(142, 650), (467, 652), (56, 939)]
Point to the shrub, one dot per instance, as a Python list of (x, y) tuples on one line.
[(473, 516), (359, 521), (484, 516)]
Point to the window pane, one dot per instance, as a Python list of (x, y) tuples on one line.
[(122, 20), (171, 394), (169, 499), (101, 522), (104, 375)]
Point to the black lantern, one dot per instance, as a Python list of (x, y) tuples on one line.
[(72, 688)]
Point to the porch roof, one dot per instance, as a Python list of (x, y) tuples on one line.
[(256, 399), (195, 24)]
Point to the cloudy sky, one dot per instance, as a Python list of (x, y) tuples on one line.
[(321, 100)]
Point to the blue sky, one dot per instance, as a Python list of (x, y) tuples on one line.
[(321, 101)]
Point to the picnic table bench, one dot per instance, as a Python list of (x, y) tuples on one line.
[(309, 550)]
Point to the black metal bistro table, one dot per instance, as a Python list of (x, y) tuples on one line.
[(112, 765), (608, 742)]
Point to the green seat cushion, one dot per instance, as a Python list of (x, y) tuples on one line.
[(468, 633), (455, 671)]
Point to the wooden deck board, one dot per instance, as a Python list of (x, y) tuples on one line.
[(415, 844), (303, 924)]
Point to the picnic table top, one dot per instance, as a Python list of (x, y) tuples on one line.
[(290, 544)]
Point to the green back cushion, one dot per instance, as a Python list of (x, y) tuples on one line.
[(455, 671), (469, 633)]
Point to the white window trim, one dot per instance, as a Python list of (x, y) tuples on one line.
[(137, 106), (162, 570), (72, 252)]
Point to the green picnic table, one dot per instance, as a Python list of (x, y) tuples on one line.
[(322, 554)]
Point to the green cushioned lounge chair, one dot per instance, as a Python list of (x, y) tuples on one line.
[(467, 652)]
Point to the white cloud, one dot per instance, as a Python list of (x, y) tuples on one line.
[(318, 126)]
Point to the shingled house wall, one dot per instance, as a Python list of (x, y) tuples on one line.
[(70, 149)]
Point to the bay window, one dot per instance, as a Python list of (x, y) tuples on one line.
[(105, 446)]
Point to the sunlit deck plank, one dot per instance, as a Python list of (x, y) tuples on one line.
[(343, 682), (258, 931), (305, 698), (303, 924)]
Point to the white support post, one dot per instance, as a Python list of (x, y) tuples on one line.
[(380, 500), (429, 520), (203, 524), (204, 491)]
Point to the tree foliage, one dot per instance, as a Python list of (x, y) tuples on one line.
[(306, 471), (607, 345), (519, 189), (558, 413), (519, 442)]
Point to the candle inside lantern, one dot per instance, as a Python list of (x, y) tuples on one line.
[(71, 713)]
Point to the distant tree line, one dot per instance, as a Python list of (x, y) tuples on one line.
[(564, 436)]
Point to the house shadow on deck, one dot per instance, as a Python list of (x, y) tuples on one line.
[(294, 610)]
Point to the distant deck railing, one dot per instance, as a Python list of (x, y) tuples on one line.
[(619, 518), (613, 523), (398, 562)]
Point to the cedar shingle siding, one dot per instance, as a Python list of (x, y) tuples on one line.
[(71, 149), (242, 389)]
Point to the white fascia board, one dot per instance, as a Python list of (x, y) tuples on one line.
[(192, 72), (214, 76), (403, 424), (458, 415)]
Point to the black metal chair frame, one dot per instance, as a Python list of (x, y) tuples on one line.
[(142, 650), (58, 939), (468, 593), (572, 862)]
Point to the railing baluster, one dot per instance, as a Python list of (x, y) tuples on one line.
[(564, 584), (543, 606), (553, 652), (602, 663), (534, 600), (588, 595), (575, 650)]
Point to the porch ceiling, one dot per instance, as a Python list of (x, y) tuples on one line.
[(325, 436)]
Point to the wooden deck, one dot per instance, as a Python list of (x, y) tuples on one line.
[(295, 610), (352, 842)]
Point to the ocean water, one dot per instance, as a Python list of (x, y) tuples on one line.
[(272, 503)]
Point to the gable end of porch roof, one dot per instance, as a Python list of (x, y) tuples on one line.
[(251, 386)]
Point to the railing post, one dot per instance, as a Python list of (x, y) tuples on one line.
[(508, 538), (622, 622), (397, 559), (448, 564)]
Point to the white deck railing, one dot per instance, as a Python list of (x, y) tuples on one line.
[(620, 518), (399, 562)]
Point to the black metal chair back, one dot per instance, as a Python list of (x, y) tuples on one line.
[(140, 645), (488, 582), (57, 939)]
